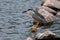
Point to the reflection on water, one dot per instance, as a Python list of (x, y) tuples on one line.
[(14, 25)]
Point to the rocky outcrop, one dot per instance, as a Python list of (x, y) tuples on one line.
[(47, 12)]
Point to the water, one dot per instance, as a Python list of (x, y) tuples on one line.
[(14, 25)]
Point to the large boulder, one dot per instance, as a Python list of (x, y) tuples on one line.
[(49, 17), (47, 9)]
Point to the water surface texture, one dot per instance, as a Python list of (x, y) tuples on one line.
[(14, 25)]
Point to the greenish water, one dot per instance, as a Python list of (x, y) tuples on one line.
[(14, 25)]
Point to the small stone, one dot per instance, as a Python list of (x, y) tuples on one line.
[(58, 14), (29, 38)]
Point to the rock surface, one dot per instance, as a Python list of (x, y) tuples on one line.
[(49, 17), (47, 9), (52, 3), (46, 35), (58, 14)]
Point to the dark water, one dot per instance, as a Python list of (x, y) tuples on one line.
[(14, 25)]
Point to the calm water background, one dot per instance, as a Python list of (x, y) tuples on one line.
[(14, 25)]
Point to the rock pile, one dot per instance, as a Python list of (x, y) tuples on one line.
[(45, 15)]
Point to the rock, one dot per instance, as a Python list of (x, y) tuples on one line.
[(47, 9), (45, 35), (58, 14), (49, 17), (52, 3), (29, 38)]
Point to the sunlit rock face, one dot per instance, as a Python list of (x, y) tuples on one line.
[(52, 3), (47, 9), (47, 15)]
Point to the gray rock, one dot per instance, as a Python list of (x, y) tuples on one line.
[(47, 9), (58, 14), (52, 3), (49, 17), (46, 35)]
